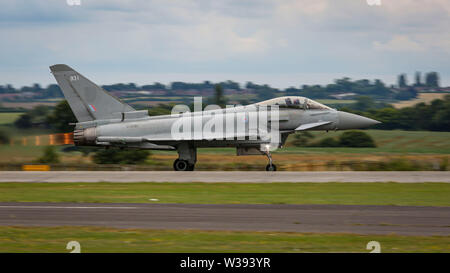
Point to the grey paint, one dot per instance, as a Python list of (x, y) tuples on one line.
[(81, 93)]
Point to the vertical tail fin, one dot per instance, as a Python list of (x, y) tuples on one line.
[(87, 100)]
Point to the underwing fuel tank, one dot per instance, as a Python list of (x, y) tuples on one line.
[(85, 137)]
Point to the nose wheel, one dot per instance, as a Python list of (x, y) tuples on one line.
[(270, 167)]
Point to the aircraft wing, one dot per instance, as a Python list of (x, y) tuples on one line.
[(107, 140), (156, 139), (117, 139), (311, 125)]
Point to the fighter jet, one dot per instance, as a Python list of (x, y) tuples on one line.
[(259, 128)]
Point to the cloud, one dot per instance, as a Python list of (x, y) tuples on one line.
[(227, 36), (400, 43)]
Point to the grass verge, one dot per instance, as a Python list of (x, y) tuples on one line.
[(420, 194), (98, 239)]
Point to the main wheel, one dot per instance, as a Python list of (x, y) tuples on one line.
[(181, 165), (271, 168)]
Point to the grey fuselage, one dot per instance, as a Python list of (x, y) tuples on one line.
[(155, 132), (259, 128)]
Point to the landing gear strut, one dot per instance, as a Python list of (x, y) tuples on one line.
[(270, 167), (187, 158)]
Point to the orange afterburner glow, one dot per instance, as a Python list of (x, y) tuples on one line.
[(43, 140)]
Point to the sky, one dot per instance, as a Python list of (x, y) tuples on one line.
[(282, 43)]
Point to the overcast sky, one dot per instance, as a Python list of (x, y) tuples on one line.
[(281, 42)]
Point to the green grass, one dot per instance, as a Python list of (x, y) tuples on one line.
[(8, 153), (97, 239), (392, 141), (420, 194), (8, 118), (388, 142)]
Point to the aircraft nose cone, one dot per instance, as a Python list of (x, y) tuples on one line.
[(352, 121)]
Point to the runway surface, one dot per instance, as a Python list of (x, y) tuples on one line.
[(404, 220), (205, 176)]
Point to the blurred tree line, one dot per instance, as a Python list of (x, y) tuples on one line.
[(434, 116), (354, 139), (56, 118), (375, 89), (431, 80), (118, 156), (428, 117), (51, 91)]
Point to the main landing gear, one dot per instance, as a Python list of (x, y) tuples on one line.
[(182, 165), (187, 156), (270, 167)]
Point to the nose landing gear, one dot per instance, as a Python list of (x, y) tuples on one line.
[(270, 167)]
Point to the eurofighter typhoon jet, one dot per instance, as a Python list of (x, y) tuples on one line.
[(255, 129)]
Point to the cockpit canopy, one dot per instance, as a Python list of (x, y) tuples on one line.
[(294, 102)]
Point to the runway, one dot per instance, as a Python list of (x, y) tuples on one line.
[(402, 220), (206, 176)]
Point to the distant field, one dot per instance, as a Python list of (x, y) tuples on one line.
[(241, 97), (152, 102), (423, 97), (100, 239), (8, 118), (427, 148), (335, 101), (390, 141), (26, 105)]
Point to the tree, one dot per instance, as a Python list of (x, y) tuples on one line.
[(406, 94), (160, 109), (266, 92), (23, 122), (327, 142), (441, 117), (61, 116), (356, 139), (36, 117), (53, 91), (4, 137), (116, 156), (155, 86), (49, 156), (219, 98), (364, 103), (302, 139), (432, 79), (418, 79), (402, 82), (441, 120)]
